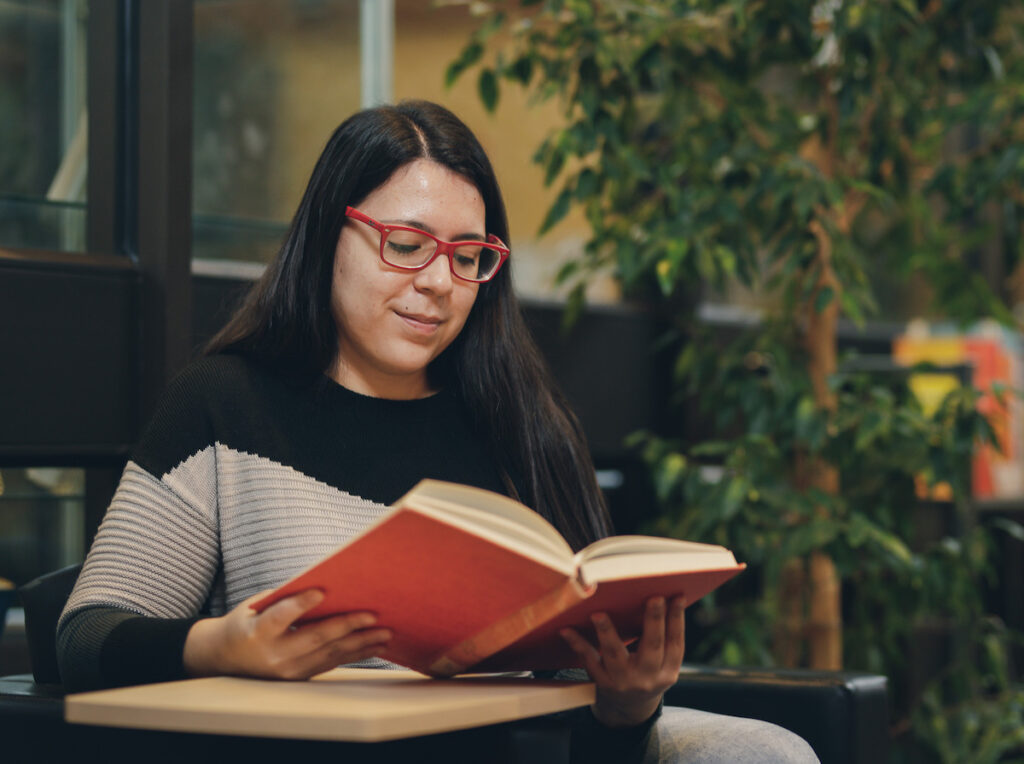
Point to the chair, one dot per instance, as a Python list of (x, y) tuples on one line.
[(842, 715), (43, 599)]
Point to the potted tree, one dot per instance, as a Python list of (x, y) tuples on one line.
[(797, 151)]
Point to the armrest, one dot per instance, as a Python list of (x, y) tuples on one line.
[(44, 599), (843, 715)]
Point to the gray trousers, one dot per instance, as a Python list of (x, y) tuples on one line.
[(698, 737)]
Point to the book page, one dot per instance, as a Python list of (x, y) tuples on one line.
[(630, 556), (615, 545), (485, 508), (499, 530)]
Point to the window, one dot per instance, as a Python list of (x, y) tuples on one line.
[(272, 81), (43, 130), (42, 521)]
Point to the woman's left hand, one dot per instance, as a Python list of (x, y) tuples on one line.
[(630, 684)]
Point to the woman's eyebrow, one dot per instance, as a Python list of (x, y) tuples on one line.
[(466, 236)]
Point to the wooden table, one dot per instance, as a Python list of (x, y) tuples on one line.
[(363, 705), (33, 726)]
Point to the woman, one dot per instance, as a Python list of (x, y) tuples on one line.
[(374, 352)]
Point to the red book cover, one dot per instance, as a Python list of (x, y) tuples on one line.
[(457, 584), (622, 600)]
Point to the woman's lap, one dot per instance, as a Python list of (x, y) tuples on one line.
[(687, 735)]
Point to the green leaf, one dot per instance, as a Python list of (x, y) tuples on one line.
[(559, 209), (668, 474), (735, 495), (556, 160), (574, 305), (871, 427), (712, 448), (469, 56), (806, 418), (491, 25), (1014, 529), (522, 70), (851, 306), (587, 184), (664, 274), (890, 542), (567, 271), (910, 8), (686, 362), (726, 259), (488, 88)]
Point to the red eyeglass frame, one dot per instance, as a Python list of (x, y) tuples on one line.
[(446, 248)]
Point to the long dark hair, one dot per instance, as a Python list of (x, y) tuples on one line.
[(286, 321)]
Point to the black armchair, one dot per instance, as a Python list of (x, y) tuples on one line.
[(842, 715), (43, 599)]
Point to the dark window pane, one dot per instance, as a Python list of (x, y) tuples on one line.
[(42, 521), (42, 123)]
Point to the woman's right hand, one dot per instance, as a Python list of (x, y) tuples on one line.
[(271, 645)]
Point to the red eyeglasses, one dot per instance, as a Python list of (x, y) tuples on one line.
[(411, 249)]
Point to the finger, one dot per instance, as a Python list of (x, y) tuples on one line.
[(329, 657), (350, 629), (280, 616), (675, 634), (312, 648), (346, 649), (326, 663), (357, 642), (614, 654), (312, 636), (650, 652), (587, 652)]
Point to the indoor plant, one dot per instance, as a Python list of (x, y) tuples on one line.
[(802, 150)]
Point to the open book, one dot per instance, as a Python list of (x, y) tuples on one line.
[(469, 580)]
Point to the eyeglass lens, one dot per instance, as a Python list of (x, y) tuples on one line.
[(411, 249)]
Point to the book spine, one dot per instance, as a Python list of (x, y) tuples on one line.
[(503, 633)]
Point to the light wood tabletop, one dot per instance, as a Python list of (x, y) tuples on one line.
[(364, 705)]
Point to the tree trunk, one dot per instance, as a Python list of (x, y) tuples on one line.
[(822, 628), (824, 623), (790, 621)]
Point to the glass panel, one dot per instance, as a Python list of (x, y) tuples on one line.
[(272, 81), (43, 126), (42, 521)]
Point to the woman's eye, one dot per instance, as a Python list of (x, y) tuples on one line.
[(402, 249)]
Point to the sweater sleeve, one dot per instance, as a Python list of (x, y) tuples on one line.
[(153, 562), (103, 647)]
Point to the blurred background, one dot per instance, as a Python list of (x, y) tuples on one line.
[(772, 252)]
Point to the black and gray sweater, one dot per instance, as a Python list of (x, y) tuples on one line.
[(243, 479)]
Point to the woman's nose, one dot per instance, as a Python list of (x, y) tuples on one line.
[(436, 277)]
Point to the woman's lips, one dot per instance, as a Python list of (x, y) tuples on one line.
[(421, 323)]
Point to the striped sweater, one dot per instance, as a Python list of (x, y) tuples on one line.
[(242, 479)]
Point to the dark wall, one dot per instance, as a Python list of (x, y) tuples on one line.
[(68, 363)]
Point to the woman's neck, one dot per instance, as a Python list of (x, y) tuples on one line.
[(381, 385)]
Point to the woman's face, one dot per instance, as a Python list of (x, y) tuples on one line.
[(393, 323)]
